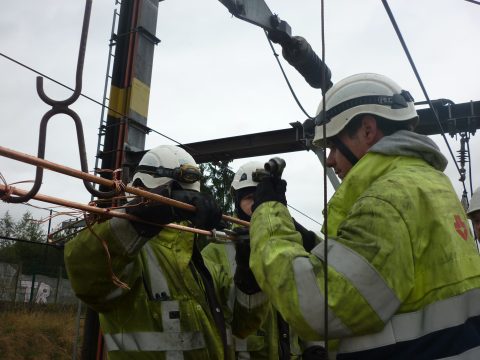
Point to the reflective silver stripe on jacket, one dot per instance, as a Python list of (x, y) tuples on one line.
[(241, 348), (114, 294), (230, 250), (243, 355), (311, 300), (307, 344), (157, 282), (127, 235), (440, 315), (252, 343), (229, 336), (361, 274), (171, 316), (250, 301), (241, 344), (155, 341), (170, 308)]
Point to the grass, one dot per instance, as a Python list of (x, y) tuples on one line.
[(40, 333)]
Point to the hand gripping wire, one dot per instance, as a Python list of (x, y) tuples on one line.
[(62, 107)]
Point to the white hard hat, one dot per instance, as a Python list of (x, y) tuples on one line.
[(474, 202), (243, 176), (166, 162), (365, 93)]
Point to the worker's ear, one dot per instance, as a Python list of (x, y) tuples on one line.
[(369, 130)]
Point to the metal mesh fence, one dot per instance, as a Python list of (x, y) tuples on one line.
[(33, 273)]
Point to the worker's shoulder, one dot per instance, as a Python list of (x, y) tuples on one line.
[(410, 185)]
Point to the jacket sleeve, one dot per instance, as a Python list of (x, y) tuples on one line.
[(370, 269), (87, 265), (216, 258), (245, 313)]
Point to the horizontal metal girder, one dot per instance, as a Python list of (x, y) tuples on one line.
[(459, 118), (244, 146), (454, 118)]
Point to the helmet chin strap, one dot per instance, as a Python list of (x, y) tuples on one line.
[(346, 152)]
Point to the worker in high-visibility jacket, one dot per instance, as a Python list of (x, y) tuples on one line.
[(473, 211), (175, 305), (273, 340), (403, 271)]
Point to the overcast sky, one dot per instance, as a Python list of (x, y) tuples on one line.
[(214, 76)]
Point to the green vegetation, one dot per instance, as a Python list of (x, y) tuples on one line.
[(24, 241), (40, 333), (217, 177)]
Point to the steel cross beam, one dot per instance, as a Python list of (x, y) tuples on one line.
[(243, 146), (454, 118)]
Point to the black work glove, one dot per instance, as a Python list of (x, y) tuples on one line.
[(308, 237), (222, 225), (208, 213), (244, 278), (270, 189), (151, 211), (315, 352)]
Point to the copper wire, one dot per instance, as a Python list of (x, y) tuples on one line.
[(115, 279), (29, 159)]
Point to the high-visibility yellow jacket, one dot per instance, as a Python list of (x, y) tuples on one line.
[(165, 314), (264, 343), (403, 269)]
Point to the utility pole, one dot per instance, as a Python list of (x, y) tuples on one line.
[(125, 126)]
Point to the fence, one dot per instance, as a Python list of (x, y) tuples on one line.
[(34, 288), (33, 272), (39, 313)]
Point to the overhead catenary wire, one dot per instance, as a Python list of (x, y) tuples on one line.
[(325, 189), (130, 119), (85, 96), (302, 213), (49, 208), (420, 82), (324, 87), (124, 116), (151, 129), (285, 77)]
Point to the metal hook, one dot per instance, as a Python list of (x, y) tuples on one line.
[(61, 107), (80, 62)]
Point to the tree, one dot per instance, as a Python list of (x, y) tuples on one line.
[(29, 229), (7, 228), (216, 180), (30, 248)]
